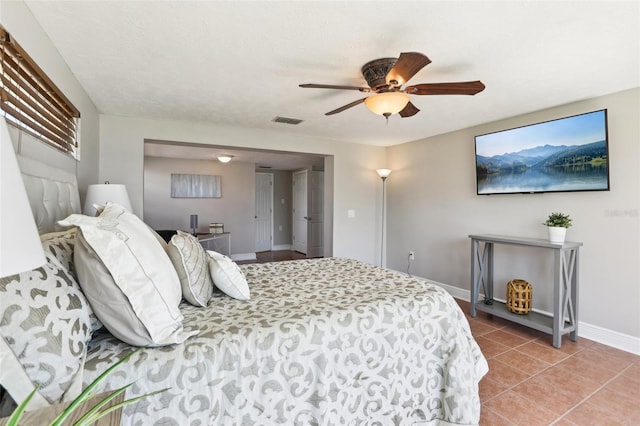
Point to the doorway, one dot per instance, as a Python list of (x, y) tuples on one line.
[(299, 181), (308, 212), (315, 214), (264, 211)]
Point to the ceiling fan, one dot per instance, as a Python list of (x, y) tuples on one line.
[(385, 78)]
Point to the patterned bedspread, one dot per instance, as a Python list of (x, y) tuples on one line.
[(321, 342)]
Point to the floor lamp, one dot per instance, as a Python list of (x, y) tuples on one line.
[(384, 174)]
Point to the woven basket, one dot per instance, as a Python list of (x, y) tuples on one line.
[(519, 294)]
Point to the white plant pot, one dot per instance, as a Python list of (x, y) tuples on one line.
[(557, 234)]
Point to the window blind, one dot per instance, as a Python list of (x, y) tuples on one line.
[(30, 100)]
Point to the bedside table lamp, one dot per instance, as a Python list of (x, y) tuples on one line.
[(20, 247), (103, 193)]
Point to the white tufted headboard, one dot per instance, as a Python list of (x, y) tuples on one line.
[(53, 193)]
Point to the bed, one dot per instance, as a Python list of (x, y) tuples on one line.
[(320, 341)]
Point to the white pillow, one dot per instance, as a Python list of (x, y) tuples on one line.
[(127, 277), (191, 263), (100, 208), (227, 276)]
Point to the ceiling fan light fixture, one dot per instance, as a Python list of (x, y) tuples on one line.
[(225, 158), (387, 103)]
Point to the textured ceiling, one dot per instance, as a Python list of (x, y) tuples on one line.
[(239, 63)]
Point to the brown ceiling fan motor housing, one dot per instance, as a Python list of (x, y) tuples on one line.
[(375, 72)]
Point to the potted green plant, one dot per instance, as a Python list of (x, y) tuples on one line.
[(98, 411), (557, 224)]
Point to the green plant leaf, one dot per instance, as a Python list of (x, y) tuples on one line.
[(19, 411), (98, 415), (89, 414), (87, 393), (95, 413), (558, 219)]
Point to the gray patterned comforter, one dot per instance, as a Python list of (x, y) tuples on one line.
[(321, 342)]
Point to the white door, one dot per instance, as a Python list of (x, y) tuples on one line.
[(300, 211), (264, 211), (315, 214)]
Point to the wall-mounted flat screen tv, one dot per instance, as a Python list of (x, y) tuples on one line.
[(567, 154)]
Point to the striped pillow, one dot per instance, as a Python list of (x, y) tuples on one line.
[(190, 260)]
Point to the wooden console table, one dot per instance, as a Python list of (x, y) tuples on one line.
[(565, 285)]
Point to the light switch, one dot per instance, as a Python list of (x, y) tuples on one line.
[(351, 214), (282, 201)]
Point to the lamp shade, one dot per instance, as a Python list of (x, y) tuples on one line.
[(387, 103), (383, 173), (103, 193), (225, 158), (20, 247)]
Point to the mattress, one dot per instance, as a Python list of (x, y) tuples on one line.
[(321, 342)]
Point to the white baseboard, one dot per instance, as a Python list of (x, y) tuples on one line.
[(282, 247), (243, 256), (609, 337), (588, 331), (456, 292)]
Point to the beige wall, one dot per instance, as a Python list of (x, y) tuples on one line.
[(433, 207), (235, 209), (353, 166)]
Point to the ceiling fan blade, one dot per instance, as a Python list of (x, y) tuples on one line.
[(461, 88), (347, 106), (334, 86), (409, 111), (407, 65)]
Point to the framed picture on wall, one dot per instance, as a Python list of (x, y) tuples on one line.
[(195, 186)]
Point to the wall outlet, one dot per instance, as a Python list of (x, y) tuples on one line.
[(412, 256)]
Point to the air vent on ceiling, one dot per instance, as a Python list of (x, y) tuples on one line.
[(287, 120)]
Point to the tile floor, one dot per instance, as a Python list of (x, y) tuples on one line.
[(532, 383)]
